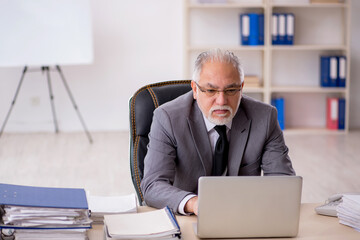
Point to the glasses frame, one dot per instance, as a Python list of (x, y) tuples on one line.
[(210, 92)]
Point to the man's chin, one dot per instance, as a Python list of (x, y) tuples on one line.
[(219, 120)]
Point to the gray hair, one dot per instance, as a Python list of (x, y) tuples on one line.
[(217, 55)]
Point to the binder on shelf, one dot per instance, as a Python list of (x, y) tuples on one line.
[(252, 29), (328, 71), (261, 29), (332, 118), (275, 29), (324, 71), (341, 79), (282, 28), (245, 29), (333, 72), (279, 103), (342, 110), (290, 26)]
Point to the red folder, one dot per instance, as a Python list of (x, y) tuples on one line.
[(332, 118)]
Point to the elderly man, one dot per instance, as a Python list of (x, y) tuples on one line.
[(212, 130)]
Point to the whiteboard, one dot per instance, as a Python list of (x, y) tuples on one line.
[(45, 32)]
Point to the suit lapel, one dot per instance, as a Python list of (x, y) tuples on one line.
[(238, 138), (200, 137)]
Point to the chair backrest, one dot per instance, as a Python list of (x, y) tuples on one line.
[(142, 105)]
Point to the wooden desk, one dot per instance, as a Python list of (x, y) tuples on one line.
[(312, 226)]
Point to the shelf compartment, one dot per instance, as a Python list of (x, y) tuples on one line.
[(310, 5), (306, 89)]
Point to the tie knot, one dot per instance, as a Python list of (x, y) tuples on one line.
[(221, 129)]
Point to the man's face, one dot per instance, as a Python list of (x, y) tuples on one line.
[(221, 107)]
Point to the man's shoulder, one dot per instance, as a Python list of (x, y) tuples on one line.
[(182, 103)]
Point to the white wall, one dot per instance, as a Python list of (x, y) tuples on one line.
[(135, 42)]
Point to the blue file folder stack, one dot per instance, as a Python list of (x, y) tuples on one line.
[(252, 29), (283, 28), (279, 103), (43, 213), (332, 71)]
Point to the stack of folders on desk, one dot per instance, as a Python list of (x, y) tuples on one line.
[(43, 213), (157, 224), (348, 211)]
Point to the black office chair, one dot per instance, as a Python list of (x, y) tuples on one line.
[(142, 105)]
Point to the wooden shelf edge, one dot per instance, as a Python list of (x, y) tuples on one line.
[(225, 5)]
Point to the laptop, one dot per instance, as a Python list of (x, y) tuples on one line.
[(247, 207)]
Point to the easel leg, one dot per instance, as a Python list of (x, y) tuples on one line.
[(46, 68), (14, 100), (74, 103)]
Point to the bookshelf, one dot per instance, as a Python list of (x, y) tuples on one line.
[(288, 71)]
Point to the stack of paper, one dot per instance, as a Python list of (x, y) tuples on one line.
[(101, 205), (349, 211), (154, 224), (252, 81), (38, 212)]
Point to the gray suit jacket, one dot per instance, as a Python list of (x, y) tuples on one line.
[(179, 150)]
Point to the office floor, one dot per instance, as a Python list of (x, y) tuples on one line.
[(328, 163)]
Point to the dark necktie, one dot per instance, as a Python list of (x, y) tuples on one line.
[(221, 152)]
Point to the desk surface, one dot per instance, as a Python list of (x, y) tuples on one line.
[(312, 226)]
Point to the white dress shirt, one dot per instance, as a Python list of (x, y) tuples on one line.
[(213, 137)]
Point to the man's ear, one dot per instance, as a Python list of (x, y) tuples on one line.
[(194, 88)]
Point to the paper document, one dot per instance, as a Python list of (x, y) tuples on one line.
[(153, 224), (100, 205), (349, 211)]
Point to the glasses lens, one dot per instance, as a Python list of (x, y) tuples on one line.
[(231, 92)]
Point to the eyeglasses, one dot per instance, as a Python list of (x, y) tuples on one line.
[(210, 92)]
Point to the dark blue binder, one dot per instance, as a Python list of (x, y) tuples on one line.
[(28, 196), (275, 29), (261, 29), (290, 27), (341, 113), (341, 78), (244, 29), (324, 71), (282, 28)]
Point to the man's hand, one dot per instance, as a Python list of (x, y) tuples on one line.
[(191, 206)]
